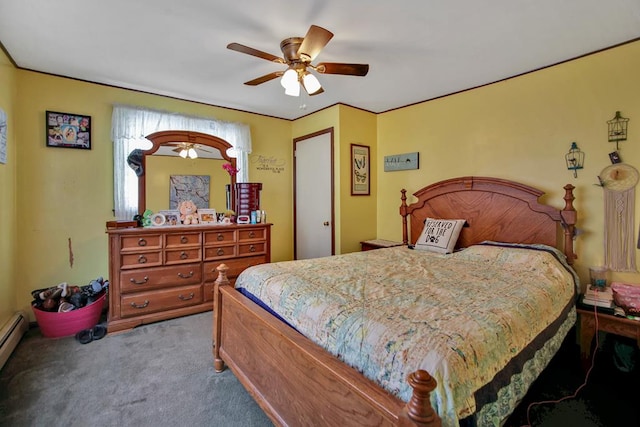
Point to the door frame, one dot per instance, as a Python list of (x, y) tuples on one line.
[(295, 195)]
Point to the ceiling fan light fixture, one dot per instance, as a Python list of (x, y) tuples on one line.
[(183, 153), (311, 83), (289, 79), (293, 90), (192, 154)]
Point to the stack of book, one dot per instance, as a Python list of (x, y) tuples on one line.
[(600, 297)]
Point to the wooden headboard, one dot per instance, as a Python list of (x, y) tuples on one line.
[(495, 209)]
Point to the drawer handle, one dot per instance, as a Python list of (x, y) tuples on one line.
[(139, 282), (146, 303), (220, 237), (183, 239), (252, 234), (183, 298), (184, 276), (142, 242), (142, 259), (220, 251), (184, 255), (252, 248)]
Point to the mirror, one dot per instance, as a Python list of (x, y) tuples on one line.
[(167, 161)]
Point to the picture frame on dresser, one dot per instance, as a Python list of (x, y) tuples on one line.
[(172, 216), (208, 216)]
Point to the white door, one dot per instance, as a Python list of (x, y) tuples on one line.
[(313, 204)]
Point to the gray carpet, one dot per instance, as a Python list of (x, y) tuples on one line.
[(154, 375)]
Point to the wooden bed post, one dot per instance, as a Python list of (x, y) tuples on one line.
[(222, 280), (569, 219), (418, 411), (403, 213)]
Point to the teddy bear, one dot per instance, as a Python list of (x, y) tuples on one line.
[(188, 212)]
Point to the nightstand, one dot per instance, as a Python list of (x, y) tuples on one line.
[(606, 323), (368, 245)]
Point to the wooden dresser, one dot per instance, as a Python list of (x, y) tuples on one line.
[(158, 273)]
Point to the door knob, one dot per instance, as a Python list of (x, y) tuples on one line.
[(326, 223)]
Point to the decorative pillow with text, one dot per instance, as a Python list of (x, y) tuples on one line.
[(439, 235)]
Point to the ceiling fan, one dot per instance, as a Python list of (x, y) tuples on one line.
[(188, 149), (298, 54)]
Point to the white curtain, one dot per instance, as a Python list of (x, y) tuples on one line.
[(130, 125)]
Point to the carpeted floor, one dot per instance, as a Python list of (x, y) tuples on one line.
[(155, 375), (162, 375)]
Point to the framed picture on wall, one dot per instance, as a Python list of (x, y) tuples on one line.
[(68, 130), (360, 170)]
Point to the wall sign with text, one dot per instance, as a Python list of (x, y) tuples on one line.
[(401, 162)]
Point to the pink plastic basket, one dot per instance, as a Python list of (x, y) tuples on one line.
[(54, 324)]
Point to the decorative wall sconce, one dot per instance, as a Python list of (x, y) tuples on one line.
[(617, 129), (575, 159)]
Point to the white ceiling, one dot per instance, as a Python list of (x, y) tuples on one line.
[(417, 49)]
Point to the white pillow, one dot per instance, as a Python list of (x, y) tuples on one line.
[(439, 235)]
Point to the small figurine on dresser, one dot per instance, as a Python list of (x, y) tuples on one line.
[(188, 212)]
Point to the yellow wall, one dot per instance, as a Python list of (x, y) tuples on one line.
[(66, 195), (521, 129), (357, 213), (518, 129), (8, 171)]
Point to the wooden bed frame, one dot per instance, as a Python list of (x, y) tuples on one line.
[(298, 383)]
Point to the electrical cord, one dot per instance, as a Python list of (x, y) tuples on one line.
[(586, 378)]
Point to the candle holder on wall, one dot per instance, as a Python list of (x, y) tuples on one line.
[(574, 159), (617, 129)]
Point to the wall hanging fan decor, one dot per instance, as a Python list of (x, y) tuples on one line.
[(298, 54)]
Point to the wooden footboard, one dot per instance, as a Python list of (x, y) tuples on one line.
[(298, 383)]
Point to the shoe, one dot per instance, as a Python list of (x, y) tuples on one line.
[(65, 307), (85, 336), (99, 332)]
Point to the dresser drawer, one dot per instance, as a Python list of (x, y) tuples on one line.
[(219, 252), (181, 256), (252, 248), (236, 266), (252, 234), (160, 277), (219, 237), (137, 260), (182, 239), (141, 242), (154, 301)]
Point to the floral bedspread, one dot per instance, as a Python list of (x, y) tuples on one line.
[(483, 321)]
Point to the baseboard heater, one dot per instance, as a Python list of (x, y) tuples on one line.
[(11, 334)]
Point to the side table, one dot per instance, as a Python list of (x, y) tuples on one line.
[(368, 245), (606, 323)]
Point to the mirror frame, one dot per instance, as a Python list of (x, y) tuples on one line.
[(161, 138)]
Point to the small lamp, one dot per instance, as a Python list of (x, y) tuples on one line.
[(575, 159), (617, 129)]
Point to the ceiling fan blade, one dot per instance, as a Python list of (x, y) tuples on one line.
[(315, 40), (339, 68), (178, 149), (264, 78), (254, 52)]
